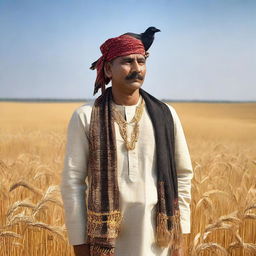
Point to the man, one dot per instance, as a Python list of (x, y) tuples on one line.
[(131, 151)]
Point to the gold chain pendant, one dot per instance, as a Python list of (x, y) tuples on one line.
[(122, 124)]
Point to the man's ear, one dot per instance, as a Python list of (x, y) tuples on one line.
[(107, 70)]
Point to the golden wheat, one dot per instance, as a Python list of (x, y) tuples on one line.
[(221, 138)]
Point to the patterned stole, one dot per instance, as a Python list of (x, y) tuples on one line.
[(104, 215)]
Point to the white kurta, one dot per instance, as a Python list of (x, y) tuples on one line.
[(137, 179)]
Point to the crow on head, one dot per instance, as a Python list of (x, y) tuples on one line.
[(146, 38)]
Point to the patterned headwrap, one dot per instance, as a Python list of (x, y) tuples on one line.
[(115, 47)]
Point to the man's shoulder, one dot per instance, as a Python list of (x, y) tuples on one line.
[(171, 108), (174, 114), (83, 113), (86, 108)]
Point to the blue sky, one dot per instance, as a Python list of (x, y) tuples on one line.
[(206, 49)]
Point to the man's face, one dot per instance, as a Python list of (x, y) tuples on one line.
[(128, 72)]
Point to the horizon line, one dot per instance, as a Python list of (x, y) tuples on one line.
[(90, 100)]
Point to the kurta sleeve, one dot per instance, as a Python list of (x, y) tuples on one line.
[(73, 186), (184, 172)]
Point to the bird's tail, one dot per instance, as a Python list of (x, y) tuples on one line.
[(93, 66)]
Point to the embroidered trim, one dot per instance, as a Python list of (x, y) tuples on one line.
[(99, 251), (96, 220)]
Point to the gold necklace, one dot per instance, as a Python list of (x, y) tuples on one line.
[(122, 124)]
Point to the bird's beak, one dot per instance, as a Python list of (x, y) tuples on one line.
[(157, 30)]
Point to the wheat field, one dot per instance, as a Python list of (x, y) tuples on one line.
[(221, 139)]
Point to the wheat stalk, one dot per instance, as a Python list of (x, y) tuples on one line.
[(10, 234), (211, 247), (24, 203), (54, 229), (26, 185)]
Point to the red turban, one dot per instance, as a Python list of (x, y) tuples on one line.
[(115, 47)]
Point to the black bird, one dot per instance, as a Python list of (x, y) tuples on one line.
[(146, 38)]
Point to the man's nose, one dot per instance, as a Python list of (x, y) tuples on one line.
[(136, 66)]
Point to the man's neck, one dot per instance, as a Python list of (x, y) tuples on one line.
[(121, 98)]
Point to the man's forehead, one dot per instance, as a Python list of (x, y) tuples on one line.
[(130, 57), (133, 56)]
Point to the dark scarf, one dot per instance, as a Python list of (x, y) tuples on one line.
[(104, 215)]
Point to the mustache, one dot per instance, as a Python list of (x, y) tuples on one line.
[(134, 75)]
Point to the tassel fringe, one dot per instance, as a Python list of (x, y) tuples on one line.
[(169, 238)]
